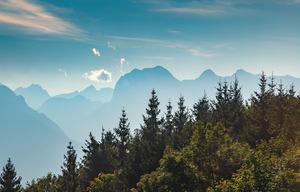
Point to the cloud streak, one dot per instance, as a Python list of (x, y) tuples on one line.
[(110, 46), (96, 52), (34, 19), (98, 76), (60, 70), (204, 54)]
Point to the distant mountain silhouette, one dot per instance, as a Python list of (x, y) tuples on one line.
[(34, 143), (34, 95), (132, 92), (103, 95), (65, 111)]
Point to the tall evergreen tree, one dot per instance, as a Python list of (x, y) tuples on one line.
[(91, 160), (152, 134), (181, 116), (152, 122), (236, 109), (259, 102), (201, 110), (69, 178), (9, 182), (168, 124), (122, 133)]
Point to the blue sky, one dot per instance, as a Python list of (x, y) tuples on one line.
[(68, 45)]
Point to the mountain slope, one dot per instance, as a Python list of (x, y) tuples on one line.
[(65, 111), (34, 143), (34, 95), (103, 95)]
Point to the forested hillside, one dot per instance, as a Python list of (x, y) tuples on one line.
[(223, 144)]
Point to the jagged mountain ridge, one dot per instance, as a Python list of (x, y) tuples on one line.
[(34, 95), (132, 92)]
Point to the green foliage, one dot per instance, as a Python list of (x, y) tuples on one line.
[(8, 179), (48, 183), (102, 183)]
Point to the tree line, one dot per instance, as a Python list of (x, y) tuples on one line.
[(225, 144)]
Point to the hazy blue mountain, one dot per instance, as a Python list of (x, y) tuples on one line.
[(34, 143), (65, 111), (34, 95), (103, 95), (132, 92)]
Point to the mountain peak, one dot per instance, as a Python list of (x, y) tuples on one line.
[(208, 73), (89, 88), (241, 72)]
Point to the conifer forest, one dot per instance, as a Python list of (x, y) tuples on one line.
[(226, 143)]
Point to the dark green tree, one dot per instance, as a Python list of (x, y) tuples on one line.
[(259, 102), (91, 161), (201, 110), (69, 178), (168, 124), (236, 109), (181, 116), (153, 140), (9, 182), (122, 133), (151, 120)]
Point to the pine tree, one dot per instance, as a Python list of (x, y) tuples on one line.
[(168, 124), (237, 118), (152, 123), (201, 110), (122, 133), (152, 136), (69, 178), (8, 179), (181, 116), (91, 160), (259, 102)]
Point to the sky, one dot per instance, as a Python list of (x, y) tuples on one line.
[(71, 44)]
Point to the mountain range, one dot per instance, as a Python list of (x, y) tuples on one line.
[(77, 116), (132, 92), (35, 144)]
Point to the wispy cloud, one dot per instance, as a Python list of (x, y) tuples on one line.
[(110, 46), (96, 52), (165, 58), (204, 54), (174, 31), (157, 42), (205, 8), (63, 71), (98, 76), (34, 19)]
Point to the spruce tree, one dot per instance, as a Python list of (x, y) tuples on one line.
[(181, 116), (91, 160), (69, 178), (168, 124), (152, 134), (122, 133), (201, 110), (9, 182), (152, 122)]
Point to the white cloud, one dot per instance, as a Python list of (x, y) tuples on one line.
[(98, 76), (32, 18), (122, 61), (110, 46), (204, 54), (60, 70), (96, 52)]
